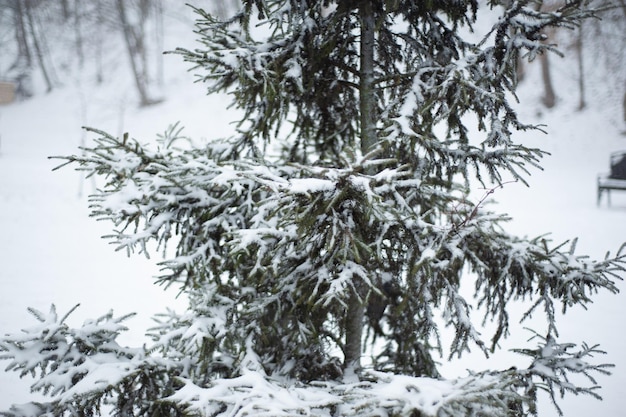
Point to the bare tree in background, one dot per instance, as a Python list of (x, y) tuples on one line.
[(581, 67), (37, 44), (624, 102), (622, 4), (23, 55), (608, 39), (159, 34), (30, 47), (98, 41), (78, 35), (601, 41), (139, 21), (134, 37), (23, 60), (549, 96)]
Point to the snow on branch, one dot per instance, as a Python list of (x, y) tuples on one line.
[(554, 363), (74, 366), (379, 394), (293, 232), (86, 366)]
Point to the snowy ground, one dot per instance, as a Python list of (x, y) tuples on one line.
[(51, 252)]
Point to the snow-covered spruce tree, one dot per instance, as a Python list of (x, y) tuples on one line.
[(323, 247)]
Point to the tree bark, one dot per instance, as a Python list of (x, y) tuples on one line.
[(624, 104), (37, 46), (78, 34), (581, 69), (65, 9), (623, 6), (140, 36), (23, 50), (366, 73), (549, 96), (355, 313), (99, 42), (159, 34), (133, 47)]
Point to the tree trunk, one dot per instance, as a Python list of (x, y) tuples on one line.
[(140, 36), (624, 104), (367, 107), (520, 70), (23, 50), (366, 73), (549, 97), (65, 9), (78, 34), (99, 42), (38, 47), (355, 315), (133, 47), (21, 67), (159, 33), (623, 6), (581, 69)]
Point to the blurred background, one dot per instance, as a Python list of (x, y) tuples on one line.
[(70, 63)]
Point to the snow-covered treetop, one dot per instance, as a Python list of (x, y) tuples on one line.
[(294, 67)]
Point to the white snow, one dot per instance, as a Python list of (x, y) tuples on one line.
[(51, 251), (253, 393), (310, 185)]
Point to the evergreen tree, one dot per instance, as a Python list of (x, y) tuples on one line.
[(319, 244)]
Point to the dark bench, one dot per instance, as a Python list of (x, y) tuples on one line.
[(616, 180)]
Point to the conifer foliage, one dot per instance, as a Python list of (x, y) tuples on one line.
[(323, 247)]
